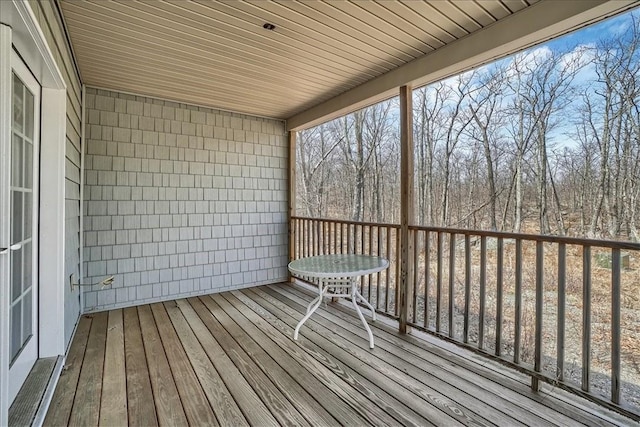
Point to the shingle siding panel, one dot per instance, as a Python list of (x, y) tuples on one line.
[(181, 201)]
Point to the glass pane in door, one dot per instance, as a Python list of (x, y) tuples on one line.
[(15, 328), (22, 167)]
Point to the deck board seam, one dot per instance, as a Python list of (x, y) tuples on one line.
[(361, 411), (484, 370), (144, 349), (81, 361), (345, 316), (279, 347), (353, 337), (218, 380), (348, 354), (374, 391), (231, 359), (283, 368), (160, 311), (182, 344), (409, 377), (207, 301), (225, 380), (396, 375), (171, 368)]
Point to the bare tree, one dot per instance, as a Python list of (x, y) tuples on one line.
[(485, 107)]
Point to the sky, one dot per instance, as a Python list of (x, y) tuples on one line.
[(574, 43)]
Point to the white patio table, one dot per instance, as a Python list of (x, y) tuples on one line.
[(340, 273)]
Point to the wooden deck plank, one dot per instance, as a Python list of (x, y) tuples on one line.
[(478, 386), (113, 406), (86, 406), (271, 395), (388, 397), (326, 372), (165, 394), (195, 403), (300, 398), (62, 401), (222, 402), (140, 408), (474, 378), (252, 407), (405, 370), (283, 351), (230, 342)]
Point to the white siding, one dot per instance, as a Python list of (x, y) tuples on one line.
[(51, 26)]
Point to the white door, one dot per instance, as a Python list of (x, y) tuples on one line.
[(23, 224)]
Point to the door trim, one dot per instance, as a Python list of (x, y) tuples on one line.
[(28, 354), (5, 134), (19, 29)]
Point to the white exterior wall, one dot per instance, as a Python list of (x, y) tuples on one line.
[(180, 200), (47, 15)]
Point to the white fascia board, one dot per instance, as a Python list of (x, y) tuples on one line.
[(535, 24)]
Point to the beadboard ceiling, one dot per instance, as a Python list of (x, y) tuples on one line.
[(217, 53)]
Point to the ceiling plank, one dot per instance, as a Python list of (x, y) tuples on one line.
[(530, 26)]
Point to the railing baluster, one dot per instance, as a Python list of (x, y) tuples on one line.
[(325, 247), (305, 238), (311, 238), (537, 364), (296, 238), (332, 237), (396, 303), (586, 317), (562, 284), (499, 285), (452, 280), (483, 288), (415, 275), (518, 302), (467, 285), (439, 281), (314, 236), (378, 274), (387, 273), (427, 276), (369, 277), (615, 326)]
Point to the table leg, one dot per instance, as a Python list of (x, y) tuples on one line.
[(354, 299), (313, 306), (365, 302)]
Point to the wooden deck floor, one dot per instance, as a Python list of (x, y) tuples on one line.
[(228, 359)]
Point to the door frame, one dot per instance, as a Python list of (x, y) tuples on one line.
[(20, 30), (22, 364)]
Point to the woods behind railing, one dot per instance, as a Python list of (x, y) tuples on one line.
[(563, 310)]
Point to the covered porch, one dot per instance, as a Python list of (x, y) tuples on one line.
[(228, 359), (160, 282)]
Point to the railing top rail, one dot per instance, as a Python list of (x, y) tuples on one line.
[(497, 234), (534, 237), (340, 221)]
